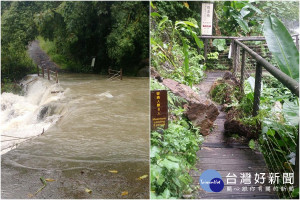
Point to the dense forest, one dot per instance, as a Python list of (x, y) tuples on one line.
[(72, 33)]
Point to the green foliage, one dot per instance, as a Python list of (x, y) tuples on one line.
[(17, 29), (252, 144), (116, 33), (235, 18), (8, 86), (225, 93), (178, 10), (131, 39), (238, 17), (220, 44), (173, 54), (213, 56), (51, 49), (279, 121), (173, 152), (281, 44)]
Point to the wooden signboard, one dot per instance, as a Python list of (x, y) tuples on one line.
[(159, 109), (207, 18)]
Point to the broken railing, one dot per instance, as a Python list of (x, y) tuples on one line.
[(115, 74), (48, 71)]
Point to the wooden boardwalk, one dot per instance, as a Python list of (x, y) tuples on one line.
[(225, 157)]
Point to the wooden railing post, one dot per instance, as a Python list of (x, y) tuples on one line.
[(121, 74), (237, 59), (243, 68), (38, 70), (233, 54), (48, 73), (43, 72), (205, 49), (56, 76), (257, 89)]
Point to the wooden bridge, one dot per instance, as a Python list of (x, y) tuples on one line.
[(233, 159)]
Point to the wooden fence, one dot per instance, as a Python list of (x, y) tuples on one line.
[(48, 71), (115, 74)]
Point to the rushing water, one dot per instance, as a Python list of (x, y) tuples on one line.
[(92, 125)]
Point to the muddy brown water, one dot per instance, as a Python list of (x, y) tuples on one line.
[(104, 126)]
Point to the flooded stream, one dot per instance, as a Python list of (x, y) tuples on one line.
[(93, 126)]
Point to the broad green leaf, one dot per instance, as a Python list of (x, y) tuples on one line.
[(220, 44), (174, 159), (166, 194), (281, 44), (164, 19), (291, 113), (154, 150), (243, 24), (169, 164), (151, 4), (252, 144), (155, 14), (254, 8), (198, 42), (186, 23), (271, 132)]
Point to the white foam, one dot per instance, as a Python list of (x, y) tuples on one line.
[(21, 115), (105, 94)]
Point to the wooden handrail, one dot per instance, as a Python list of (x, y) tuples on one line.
[(48, 72), (278, 74)]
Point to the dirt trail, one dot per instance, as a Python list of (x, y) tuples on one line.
[(40, 57)]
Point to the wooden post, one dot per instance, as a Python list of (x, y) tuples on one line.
[(38, 70), (237, 58), (48, 73), (258, 75), (121, 74), (243, 68), (205, 49), (56, 76), (233, 54), (43, 72)]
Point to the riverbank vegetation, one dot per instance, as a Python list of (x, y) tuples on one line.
[(115, 33)]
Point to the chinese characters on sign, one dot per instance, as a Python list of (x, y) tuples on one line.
[(207, 18), (159, 109), (272, 179)]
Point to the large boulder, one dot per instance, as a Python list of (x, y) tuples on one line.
[(200, 110)]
